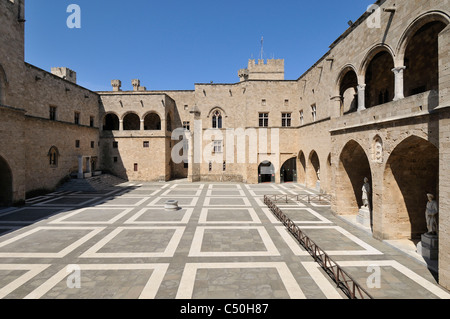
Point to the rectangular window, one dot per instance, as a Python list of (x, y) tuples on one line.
[(186, 165), (263, 103), (224, 166), (91, 121), (135, 167), (146, 144), (115, 144), (77, 118), (217, 147), (115, 159), (314, 112), (286, 119), (77, 143), (92, 144), (302, 118), (263, 119), (53, 113), (187, 126), (186, 107)]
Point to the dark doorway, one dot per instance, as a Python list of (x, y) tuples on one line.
[(5, 184), (266, 172), (288, 172)]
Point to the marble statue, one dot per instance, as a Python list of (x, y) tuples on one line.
[(431, 215), (366, 192)]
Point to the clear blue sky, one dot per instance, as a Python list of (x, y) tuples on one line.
[(173, 44)]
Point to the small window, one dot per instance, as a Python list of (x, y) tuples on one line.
[(286, 119), (186, 107), (135, 167), (146, 144), (77, 143), (77, 118), (91, 121), (224, 166), (187, 126), (186, 165), (210, 166), (92, 144), (53, 113), (115, 159), (115, 144), (263, 102), (286, 102), (263, 119), (217, 147)]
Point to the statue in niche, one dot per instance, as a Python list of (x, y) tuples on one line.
[(366, 191), (378, 150), (431, 214)]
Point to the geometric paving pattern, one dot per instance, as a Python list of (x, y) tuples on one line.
[(223, 243)]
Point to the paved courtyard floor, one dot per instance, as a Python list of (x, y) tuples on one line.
[(223, 243)]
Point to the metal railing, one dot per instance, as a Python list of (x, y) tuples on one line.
[(302, 197), (342, 279)]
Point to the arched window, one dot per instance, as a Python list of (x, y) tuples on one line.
[(111, 122), (217, 119), (53, 156), (152, 122), (131, 122)]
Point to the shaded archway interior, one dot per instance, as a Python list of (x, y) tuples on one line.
[(111, 122), (422, 60), (131, 122), (354, 166), (348, 91), (380, 80), (411, 172), (266, 172), (288, 173), (152, 122), (313, 171)]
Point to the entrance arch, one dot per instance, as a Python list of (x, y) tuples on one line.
[(6, 193), (288, 173), (379, 79), (131, 122), (411, 172), (266, 172), (353, 167)]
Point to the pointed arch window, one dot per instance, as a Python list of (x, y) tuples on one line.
[(217, 119), (53, 156)]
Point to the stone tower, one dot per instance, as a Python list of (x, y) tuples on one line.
[(272, 70)]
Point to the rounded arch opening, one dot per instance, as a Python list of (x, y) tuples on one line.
[(6, 181), (288, 172), (379, 79), (411, 172), (421, 59), (353, 168), (152, 122), (111, 122), (266, 172), (131, 122), (348, 90)]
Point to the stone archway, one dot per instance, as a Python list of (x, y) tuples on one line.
[(411, 172), (266, 172), (379, 79), (353, 167), (131, 122), (288, 172), (6, 180), (111, 122)]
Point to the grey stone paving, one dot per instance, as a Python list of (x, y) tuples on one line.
[(118, 242)]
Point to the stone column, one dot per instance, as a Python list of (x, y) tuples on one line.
[(120, 125), (80, 167), (398, 72), (361, 97), (142, 125)]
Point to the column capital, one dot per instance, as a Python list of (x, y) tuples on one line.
[(361, 87), (398, 69)]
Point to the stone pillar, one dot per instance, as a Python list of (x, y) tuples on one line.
[(80, 167), (361, 97), (116, 84), (336, 109), (399, 92), (120, 125), (142, 125), (136, 84)]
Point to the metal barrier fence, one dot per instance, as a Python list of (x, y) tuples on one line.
[(305, 197), (342, 279)]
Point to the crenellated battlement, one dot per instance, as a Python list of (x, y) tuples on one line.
[(273, 69)]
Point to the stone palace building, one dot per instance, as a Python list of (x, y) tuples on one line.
[(376, 106)]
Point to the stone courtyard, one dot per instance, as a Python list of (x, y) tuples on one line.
[(119, 242)]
